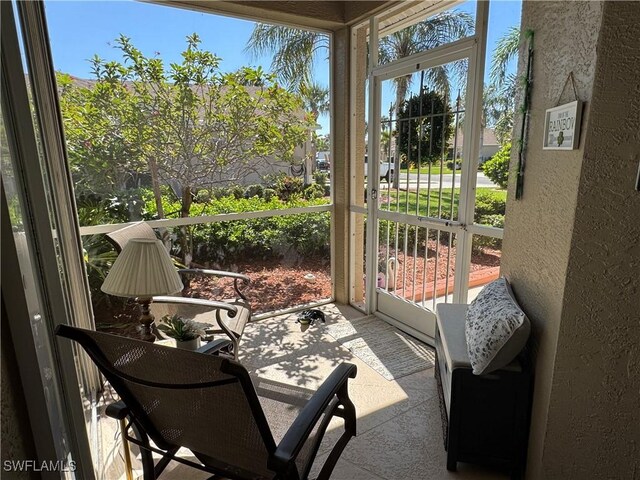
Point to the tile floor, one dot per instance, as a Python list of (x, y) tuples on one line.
[(399, 426)]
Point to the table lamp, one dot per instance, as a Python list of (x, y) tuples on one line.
[(142, 270)]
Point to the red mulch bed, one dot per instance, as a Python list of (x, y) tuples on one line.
[(276, 286), (486, 258)]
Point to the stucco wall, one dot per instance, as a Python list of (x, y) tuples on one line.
[(539, 226), (340, 124), (594, 411)]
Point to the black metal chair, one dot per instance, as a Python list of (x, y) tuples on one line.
[(173, 398), (220, 318)]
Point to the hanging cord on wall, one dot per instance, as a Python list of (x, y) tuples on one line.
[(524, 109), (573, 84)]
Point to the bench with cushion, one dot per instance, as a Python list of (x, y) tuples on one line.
[(485, 417)]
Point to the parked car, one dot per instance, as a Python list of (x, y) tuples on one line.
[(322, 164), (386, 169)]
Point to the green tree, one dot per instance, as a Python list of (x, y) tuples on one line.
[(316, 99), (385, 142), (497, 167), (505, 51), (421, 134), (501, 92), (442, 28), (322, 142), (294, 50), (191, 124), (105, 152)]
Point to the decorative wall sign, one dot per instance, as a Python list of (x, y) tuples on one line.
[(562, 127)]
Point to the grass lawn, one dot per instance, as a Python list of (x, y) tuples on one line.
[(435, 170), (400, 200)]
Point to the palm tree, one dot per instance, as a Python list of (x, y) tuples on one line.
[(295, 50), (505, 51), (440, 29), (316, 99), (500, 94)]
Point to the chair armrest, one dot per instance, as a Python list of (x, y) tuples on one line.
[(214, 346), (304, 423), (117, 410), (213, 304), (221, 273)]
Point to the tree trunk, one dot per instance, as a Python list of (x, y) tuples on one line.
[(155, 185), (185, 243)]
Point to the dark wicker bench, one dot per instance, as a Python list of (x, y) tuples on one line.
[(485, 417)]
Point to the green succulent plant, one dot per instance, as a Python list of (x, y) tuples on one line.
[(179, 328)]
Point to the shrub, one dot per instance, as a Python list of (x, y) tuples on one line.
[(287, 187), (303, 235), (203, 196), (489, 202), (497, 167), (225, 243), (480, 241), (219, 192), (268, 194), (320, 177), (314, 191), (492, 220), (237, 191), (254, 191)]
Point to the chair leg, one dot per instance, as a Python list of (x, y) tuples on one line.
[(235, 342), (127, 452), (148, 467), (332, 459)]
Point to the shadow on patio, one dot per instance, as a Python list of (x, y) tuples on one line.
[(399, 427)]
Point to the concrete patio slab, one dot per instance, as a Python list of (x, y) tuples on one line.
[(399, 427)]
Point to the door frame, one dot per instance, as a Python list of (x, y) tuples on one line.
[(41, 304), (473, 48)]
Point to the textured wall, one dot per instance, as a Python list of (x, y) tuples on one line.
[(539, 229), (357, 164), (340, 125), (595, 401)]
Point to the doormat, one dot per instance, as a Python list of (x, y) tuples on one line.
[(389, 351)]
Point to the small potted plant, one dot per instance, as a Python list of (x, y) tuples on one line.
[(185, 332)]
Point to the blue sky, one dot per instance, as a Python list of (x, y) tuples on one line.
[(80, 29)]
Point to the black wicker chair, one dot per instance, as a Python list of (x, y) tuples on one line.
[(220, 318), (173, 398)]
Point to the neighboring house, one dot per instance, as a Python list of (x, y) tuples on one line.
[(488, 148)]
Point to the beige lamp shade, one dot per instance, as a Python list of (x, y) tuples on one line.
[(143, 269)]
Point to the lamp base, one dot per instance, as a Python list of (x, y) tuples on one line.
[(146, 320)]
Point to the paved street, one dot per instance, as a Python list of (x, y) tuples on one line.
[(447, 181)]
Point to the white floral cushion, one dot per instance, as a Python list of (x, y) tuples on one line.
[(496, 328)]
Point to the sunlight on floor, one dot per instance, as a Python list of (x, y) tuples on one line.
[(399, 427)]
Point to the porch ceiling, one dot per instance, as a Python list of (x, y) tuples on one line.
[(324, 15)]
